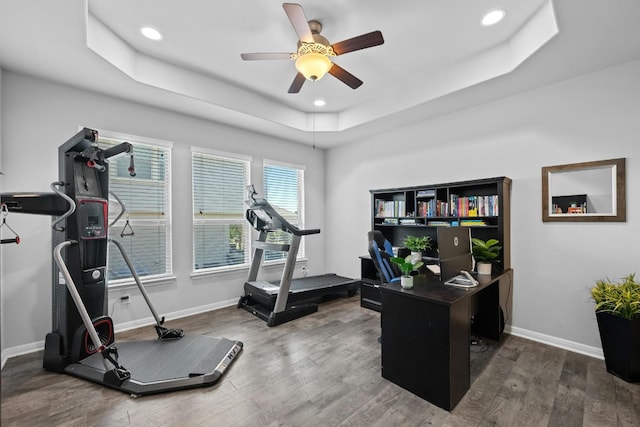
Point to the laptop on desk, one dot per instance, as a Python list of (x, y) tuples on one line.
[(454, 248)]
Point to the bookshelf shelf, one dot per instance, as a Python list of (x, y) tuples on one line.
[(482, 204)]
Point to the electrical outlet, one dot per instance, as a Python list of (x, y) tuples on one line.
[(125, 299)]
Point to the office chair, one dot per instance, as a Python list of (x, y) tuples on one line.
[(381, 251)]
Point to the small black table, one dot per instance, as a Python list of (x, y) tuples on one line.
[(426, 334)]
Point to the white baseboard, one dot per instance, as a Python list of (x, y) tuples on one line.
[(556, 342), (39, 345), (20, 350)]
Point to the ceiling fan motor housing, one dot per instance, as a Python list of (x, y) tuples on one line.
[(312, 58)]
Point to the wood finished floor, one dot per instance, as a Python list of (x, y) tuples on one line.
[(324, 370)]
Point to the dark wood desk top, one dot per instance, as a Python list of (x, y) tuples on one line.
[(427, 286)]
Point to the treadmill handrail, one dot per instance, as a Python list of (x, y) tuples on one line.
[(265, 206)]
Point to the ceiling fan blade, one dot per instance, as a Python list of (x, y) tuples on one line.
[(264, 55), (364, 41), (298, 81), (346, 77), (299, 21)]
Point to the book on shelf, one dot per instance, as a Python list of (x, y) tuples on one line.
[(437, 223), (408, 221), (430, 208), (474, 205), (390, 208), (426, 193), (472, 223)]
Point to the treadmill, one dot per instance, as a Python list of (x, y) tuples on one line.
[(288, 299), (82, 340)]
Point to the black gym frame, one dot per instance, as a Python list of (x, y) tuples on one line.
[(82, 340)]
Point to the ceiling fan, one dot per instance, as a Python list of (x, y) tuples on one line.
[(314, 51)]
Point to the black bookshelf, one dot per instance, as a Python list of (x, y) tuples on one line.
[(481, 204)]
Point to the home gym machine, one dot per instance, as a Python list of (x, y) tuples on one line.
[(82, 342), (289, 299)]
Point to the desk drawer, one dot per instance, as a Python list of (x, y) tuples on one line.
[(370, 296)]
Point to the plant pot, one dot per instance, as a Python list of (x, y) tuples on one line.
[(621, 345), (416, 256), (484, 268), (406, 282)]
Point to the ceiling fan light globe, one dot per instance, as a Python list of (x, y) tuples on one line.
[(313, 66)]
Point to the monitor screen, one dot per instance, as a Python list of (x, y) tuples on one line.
[(454, 251)]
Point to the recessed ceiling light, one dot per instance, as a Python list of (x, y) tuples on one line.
[(493, 17), (319, 103), (151, 33)]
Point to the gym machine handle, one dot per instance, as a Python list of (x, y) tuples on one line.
[(97, 156), (72, 205), (132, 167), (137, 280), (123, 208), (124, 147), (16, 239), (93, 334), (92, 164), (163, 333), (114, 373)]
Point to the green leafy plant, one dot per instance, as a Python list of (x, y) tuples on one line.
[(406, 265), (417, 243), (621, 298), (485, 251)]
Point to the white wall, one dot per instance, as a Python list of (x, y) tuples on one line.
[(38, 116), (1, 187), (591, 117)]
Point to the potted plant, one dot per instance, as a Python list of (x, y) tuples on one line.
[(406, 266), (417, 244), (618, 315), (485, 253)]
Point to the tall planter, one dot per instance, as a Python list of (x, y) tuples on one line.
[(621, 345)]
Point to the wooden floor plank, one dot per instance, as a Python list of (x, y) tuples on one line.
[(627, 403), (324, 370), (600, 398), (539, 399), (568, 407)]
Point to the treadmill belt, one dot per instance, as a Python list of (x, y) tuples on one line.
[(325, 281)]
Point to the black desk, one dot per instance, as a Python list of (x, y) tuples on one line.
[(426, 334)]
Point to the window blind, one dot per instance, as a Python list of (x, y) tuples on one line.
[(220, 231), (284, 189), (145, 229)]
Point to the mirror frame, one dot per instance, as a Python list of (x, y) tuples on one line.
[(621, 203)]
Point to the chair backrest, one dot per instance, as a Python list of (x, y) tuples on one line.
[(381, 251)]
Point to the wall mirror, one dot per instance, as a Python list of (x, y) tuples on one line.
[(588, 192)]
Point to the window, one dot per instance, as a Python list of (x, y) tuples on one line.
[(284, 189), (220, 231), (144, 230)]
